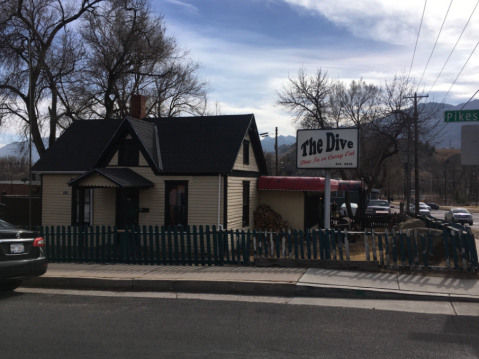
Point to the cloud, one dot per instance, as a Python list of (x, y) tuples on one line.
[(395, 22), (191, 9)]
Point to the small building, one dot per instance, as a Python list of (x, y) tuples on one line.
[(300, 200), (154, 171)]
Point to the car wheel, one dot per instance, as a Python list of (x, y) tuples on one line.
[(9, 286)]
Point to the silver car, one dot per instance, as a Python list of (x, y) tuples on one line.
[(459, 215), (378, 206)]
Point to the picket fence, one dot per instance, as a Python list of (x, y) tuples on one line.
[(205, 246)]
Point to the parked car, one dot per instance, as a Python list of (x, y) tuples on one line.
[(22, 256), (344, 212), (423, 209), (459, 215), (378, 207), (433, 205), (412, 206)]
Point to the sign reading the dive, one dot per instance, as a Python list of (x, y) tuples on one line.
[(326, 149)]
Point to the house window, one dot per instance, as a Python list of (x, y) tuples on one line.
[(176, 203), (246, 203), (129, 153), (246, 152), (81, 211)]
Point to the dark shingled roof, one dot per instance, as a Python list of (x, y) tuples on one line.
[(123, 177), (201, 144), (78, 148), (208, 144), (146, 133)]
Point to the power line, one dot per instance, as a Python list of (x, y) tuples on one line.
[(447, 93), (464, 29), (434, 47), (475, 93), (417, 39)]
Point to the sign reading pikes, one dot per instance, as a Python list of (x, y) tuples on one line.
[(327, 149), (461, 116)]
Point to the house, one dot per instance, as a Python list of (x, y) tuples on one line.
[(153, 171)]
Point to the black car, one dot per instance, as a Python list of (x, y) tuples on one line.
[(433, 205), (22, 256)]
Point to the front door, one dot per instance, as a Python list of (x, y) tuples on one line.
[(128, 201)]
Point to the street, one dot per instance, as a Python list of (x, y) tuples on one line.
[(47, 325), (439, 213)]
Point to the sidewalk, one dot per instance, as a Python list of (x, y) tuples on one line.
[(289, 282)]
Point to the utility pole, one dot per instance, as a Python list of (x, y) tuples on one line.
[(30, 102), (416, 162), (276, 149), (445, 187)]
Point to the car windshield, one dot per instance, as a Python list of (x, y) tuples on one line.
[(353, 205), (460, 210), (6, 225), (379, 203)]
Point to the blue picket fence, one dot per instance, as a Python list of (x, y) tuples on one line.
[(207, 246)]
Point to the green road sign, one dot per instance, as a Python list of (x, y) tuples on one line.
[(461, 116)]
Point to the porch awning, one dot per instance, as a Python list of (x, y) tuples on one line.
[(276, 183), (111, 177)]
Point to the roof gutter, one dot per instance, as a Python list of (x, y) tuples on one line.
[(59, 172)]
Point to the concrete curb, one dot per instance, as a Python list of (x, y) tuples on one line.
[(278, 289)]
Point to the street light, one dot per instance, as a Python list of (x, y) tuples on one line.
[(266, 134), (30, 115)]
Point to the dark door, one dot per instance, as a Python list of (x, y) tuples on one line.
[(128, 201)]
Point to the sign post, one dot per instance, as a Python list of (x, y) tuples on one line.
[(327, 149), (327, 199)]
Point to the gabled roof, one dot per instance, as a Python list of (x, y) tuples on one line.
[(123, 177), (144, 133), (78, 148), (208, 144)]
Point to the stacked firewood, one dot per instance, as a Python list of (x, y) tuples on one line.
[(266, 218)]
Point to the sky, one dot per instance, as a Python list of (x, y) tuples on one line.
[(248, 48)]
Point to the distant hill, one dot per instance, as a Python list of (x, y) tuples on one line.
[(451, 134), (20, 149), (268, 142)]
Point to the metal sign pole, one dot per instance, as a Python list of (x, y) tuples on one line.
[(327, 200)]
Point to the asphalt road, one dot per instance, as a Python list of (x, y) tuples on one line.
[(440, 214), (43, 325)]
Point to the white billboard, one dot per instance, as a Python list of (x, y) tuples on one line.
[(327, 149)]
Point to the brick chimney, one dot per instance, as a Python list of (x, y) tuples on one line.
[(138, 106)]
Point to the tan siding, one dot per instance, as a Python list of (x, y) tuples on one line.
[(104, 203), (114, 160), (252, 166), (202, 198), (56, 206), (142, 160), (290, 205), (235, 201)]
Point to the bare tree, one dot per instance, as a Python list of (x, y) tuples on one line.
[(129, 52), (308, 98), (41, 22)]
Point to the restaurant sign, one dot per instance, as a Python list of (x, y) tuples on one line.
[(327, 149)]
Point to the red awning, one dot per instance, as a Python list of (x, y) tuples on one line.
[(305, 184)]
